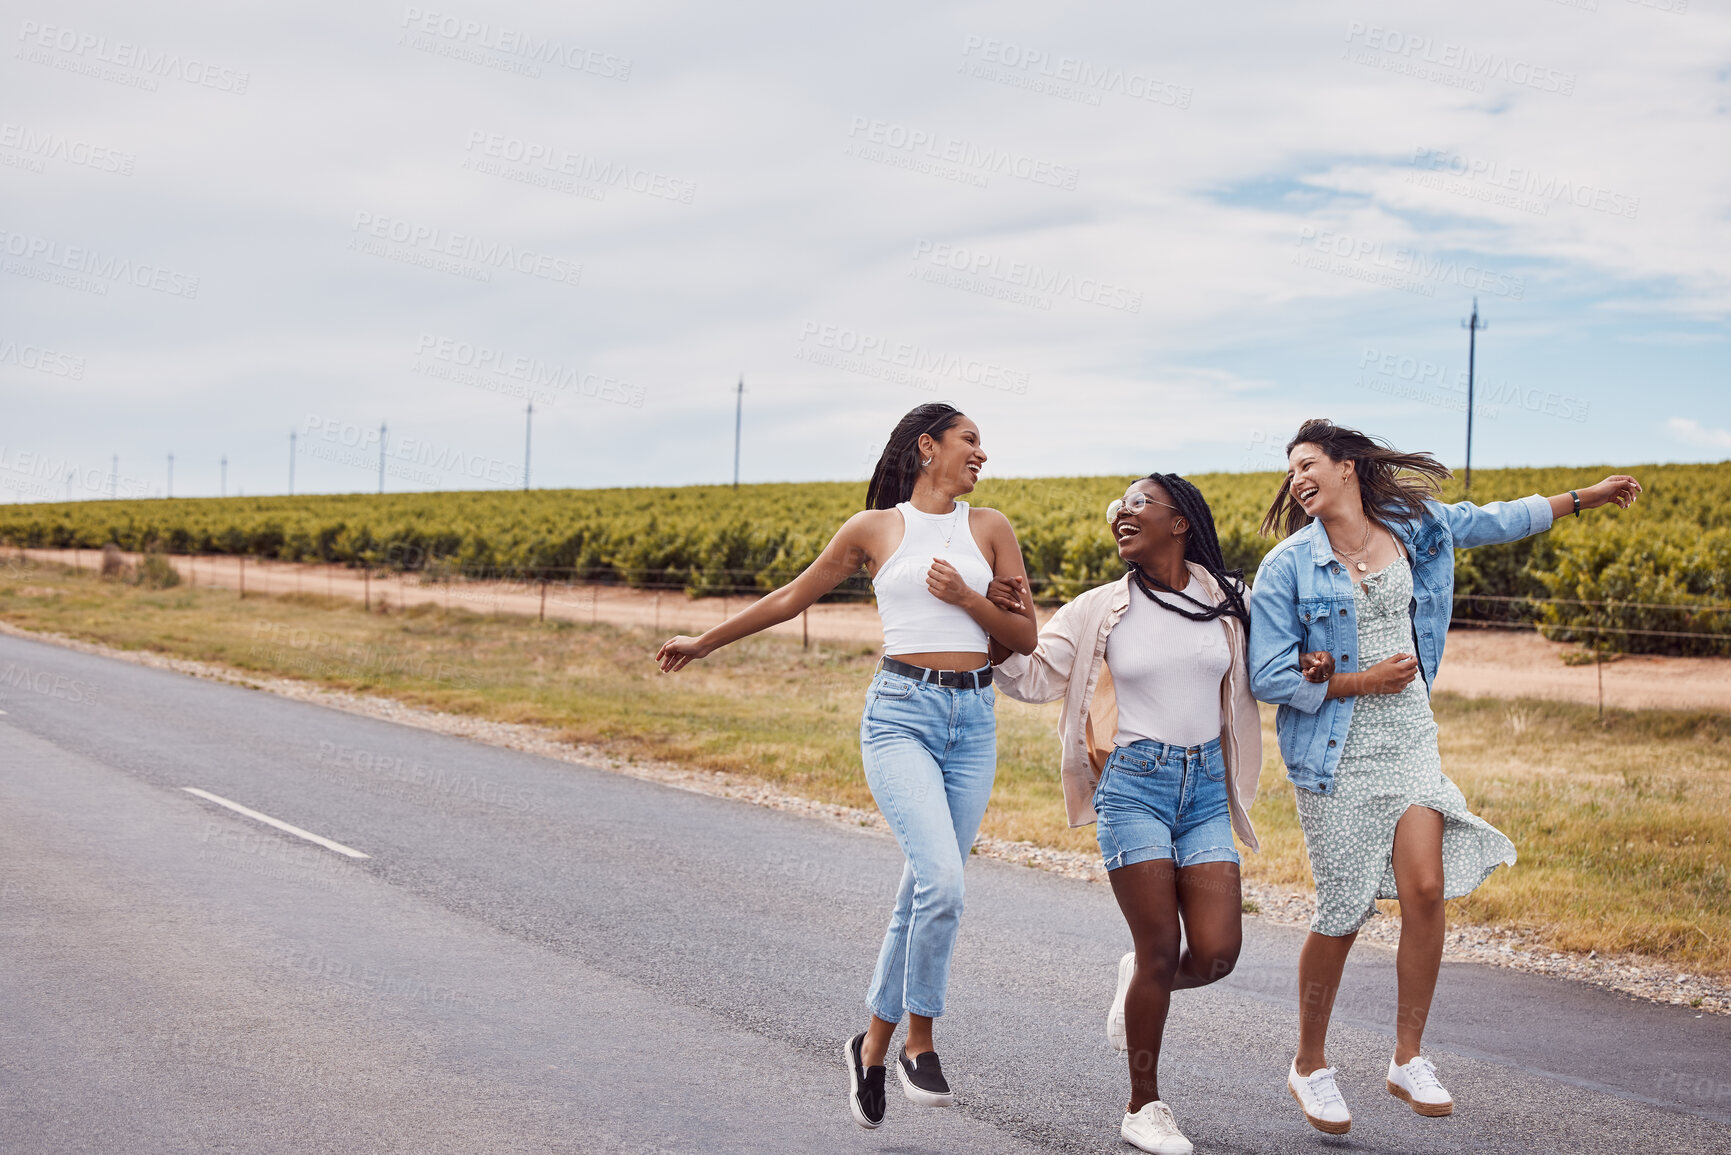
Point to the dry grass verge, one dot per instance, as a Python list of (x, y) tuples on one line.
[(1623, 829)]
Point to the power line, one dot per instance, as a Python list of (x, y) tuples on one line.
[(528, 427), (381, 457)]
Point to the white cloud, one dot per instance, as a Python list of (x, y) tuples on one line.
[(1263, 126), (1691, 431)]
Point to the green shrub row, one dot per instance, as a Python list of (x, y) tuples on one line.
[(1674, 548)]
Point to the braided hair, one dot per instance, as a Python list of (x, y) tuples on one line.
[(893, 480), (1202, 546)]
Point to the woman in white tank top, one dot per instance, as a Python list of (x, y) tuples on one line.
[(928, 736), (1161, 749)]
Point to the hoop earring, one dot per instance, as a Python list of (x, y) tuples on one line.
[(925, 463)]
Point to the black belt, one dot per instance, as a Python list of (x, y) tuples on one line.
[(948, 679)]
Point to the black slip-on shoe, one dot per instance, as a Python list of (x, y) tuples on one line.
[(865, 1096), (923, 1079)]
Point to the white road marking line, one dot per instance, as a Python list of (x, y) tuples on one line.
[(276, 822)]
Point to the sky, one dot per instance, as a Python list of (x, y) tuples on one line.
[(1123, 238)]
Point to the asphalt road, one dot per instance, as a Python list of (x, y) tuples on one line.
[(541, 957)]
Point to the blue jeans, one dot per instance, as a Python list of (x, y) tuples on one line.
[(930, 755), (1157, 800)]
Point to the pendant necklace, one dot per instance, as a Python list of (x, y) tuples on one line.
[(953, 518), (1356, 556)]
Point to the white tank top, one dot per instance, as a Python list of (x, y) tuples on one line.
[(1167, 671), (915, 622)]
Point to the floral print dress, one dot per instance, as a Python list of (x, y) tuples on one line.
[(1389, 762)]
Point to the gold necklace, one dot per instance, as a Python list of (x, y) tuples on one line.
[(1353, 555)]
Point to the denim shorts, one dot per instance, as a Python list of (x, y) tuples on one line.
[(1156, 800)]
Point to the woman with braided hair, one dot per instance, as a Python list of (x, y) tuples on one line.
[(1162, 747), (928, 735)]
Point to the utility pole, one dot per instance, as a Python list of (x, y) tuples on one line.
[(738, 418), (170, 475), (114, 479), (225, 475), (291, 463), (528, 427), (381, 457), (1472, 326)]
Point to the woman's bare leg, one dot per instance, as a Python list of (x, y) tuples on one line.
[(1153, 897), (1320, 963), (1147, 893), (1418, 877)]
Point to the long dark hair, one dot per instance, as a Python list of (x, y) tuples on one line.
[(893, 480), (1202, 546), (1393, 485)]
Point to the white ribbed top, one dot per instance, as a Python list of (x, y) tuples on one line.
[(1167, 671), (915, 622)]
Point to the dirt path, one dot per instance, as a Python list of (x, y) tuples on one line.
[(1480, 663)]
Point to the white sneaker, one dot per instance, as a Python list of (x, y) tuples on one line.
[(1154, 1129), (1115, 1032), (1320, 1099), (1417, 1084)]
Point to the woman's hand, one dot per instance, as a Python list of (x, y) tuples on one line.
[(1316, 666), (946, 584), (1389, 676), (1008, 594), (1617, 489), (677, 653)]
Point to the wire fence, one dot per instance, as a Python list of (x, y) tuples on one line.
[(1598, 625)]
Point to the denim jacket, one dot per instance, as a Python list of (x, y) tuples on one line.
[(1302, 601)]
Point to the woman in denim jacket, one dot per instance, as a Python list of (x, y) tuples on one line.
[(1366, 574)]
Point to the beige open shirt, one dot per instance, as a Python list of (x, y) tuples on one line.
[(1070, 663)]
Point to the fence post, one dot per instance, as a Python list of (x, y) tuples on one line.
[(367, 588), (240, 561), (804, 630), (543, 599), (594, 599)]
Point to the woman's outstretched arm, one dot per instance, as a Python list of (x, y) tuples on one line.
[(1618, 489), (840, 560)]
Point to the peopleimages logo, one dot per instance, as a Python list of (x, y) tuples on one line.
[(892, 139), (80, 47), (1419, 51), (82, 262), (1086, 76), (1519, 179), (1407, 376), (532, 373), (578, 166), (55, 146), (1405, 267), (514, 42), (868, 349), (42, 360), (438, 242), (1016, 280)]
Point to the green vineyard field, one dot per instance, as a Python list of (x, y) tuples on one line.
[(1644, 580)]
